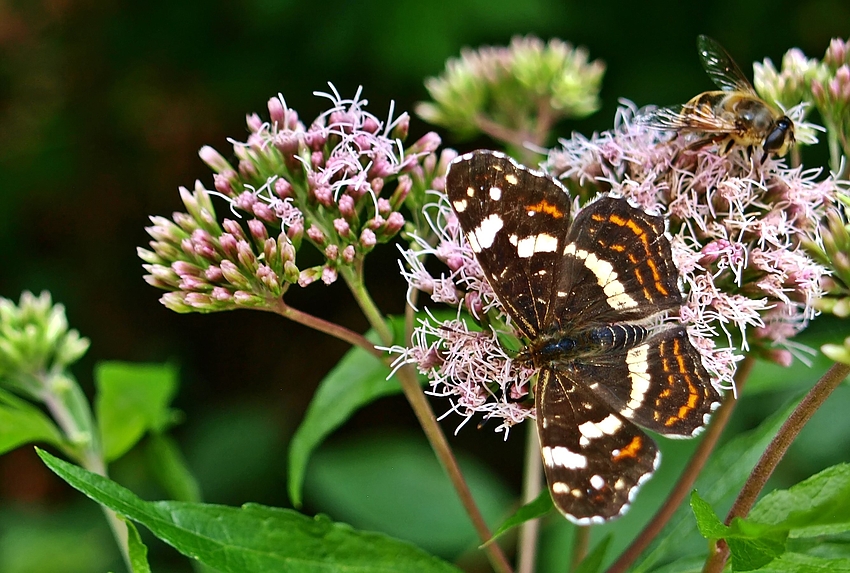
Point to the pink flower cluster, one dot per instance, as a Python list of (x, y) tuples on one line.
[(736, 222), (339, 183)]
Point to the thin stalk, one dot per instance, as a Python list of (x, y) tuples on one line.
[(436, 437), (322, 325), (531, 486), (68, 406), (686, 481), (774, 453), (581, 541)]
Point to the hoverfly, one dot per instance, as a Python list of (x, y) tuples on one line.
[(733, 115)]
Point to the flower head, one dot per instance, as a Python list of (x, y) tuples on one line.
[(737, 226), (35, 341), (514, 88), (338, 185)]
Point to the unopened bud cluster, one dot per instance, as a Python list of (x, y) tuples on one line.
[(825, 83), (513, 87), (338, 185), (36, 343), (833, 251)]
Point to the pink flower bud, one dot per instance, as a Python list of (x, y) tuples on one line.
[(277, 112), (368, 239), (245, 201), (221, 294), (346, 206), (263, 211), (282, 188), (342, 227), (229, 244), (315, 234), (348, 254), (254, 122), (233, 228), (258, 229), (214, 159), (394, 223), (213, 274), (370, 125), (329, 275), (324, 195), (222, 183)]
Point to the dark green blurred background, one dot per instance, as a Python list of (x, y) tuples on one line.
[(103, 106)]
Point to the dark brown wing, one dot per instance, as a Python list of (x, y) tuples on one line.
[(594, 460)]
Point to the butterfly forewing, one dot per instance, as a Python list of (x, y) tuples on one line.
[(617, 266), (575, 291), (515, 220)]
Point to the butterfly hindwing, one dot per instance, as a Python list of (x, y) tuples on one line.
[(660, 384), (594, 459)]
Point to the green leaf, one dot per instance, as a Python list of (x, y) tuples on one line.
[(593, 562), (819, 505), (751, 545), (394, 484), (137, 549), (170, 470), (132, 399), (748, 554), (800, 563), (708, 523), (357, 380), (253, 538), (22, 423), (534, 509)]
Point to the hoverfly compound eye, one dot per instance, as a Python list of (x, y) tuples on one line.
[(780, 137)]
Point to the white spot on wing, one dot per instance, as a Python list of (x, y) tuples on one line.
[(638, 366), (460, 206), (597, 482), (606, 427), (615, 293), (495, 193), (486, 232), (562, 457), (542, 243)]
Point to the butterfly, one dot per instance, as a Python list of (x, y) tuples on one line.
[(580, 292)]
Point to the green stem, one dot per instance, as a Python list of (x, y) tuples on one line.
[(774, 453), (353, 277), (531, 487), (68, 405), (422, 409)]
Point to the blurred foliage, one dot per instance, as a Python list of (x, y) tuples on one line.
[(103, 106)]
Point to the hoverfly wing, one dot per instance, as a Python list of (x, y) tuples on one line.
[(691, 116), (720, 66)]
